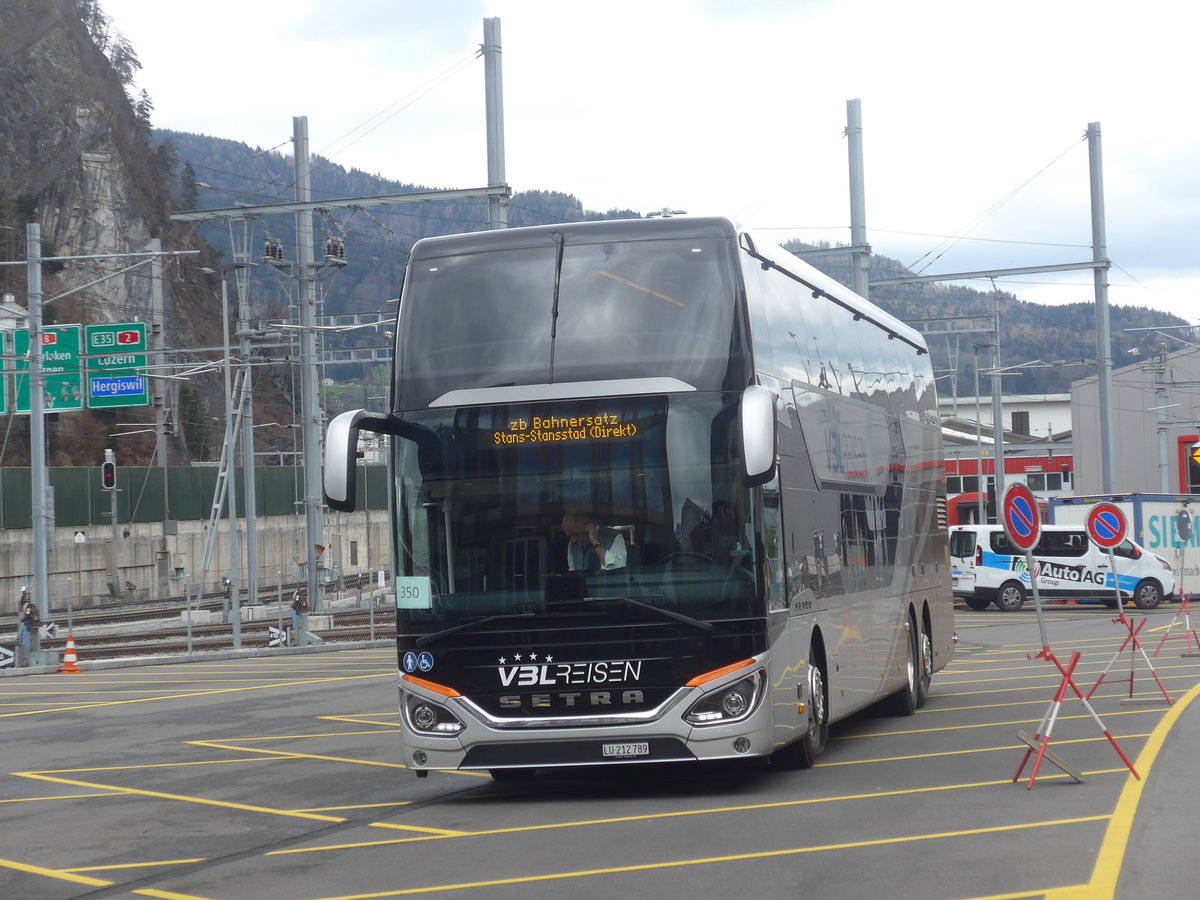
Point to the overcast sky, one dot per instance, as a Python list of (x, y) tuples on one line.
[(974, 114)]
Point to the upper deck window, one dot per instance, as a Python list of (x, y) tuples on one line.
[(568, 312)]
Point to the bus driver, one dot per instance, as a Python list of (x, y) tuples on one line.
[(592, 547)]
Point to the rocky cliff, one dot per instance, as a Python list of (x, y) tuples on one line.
[(75, 158)]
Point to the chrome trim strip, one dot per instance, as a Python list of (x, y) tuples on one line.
[(567, 390), (639, 718)]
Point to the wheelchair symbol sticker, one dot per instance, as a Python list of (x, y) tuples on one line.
[(425, 661)]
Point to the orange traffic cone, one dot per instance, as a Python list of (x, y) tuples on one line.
[(69, 662)]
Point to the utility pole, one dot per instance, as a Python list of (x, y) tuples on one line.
[(997, 404), (242, 261), (1108, 439), (310, 407), (493, 77), (860, 258), (164, 405), (37, 437), (39, 478)]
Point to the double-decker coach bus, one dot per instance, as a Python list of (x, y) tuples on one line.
[(660, 491)]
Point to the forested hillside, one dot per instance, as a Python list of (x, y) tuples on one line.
[(215, 172), (1030, 332)]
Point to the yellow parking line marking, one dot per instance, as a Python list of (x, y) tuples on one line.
[(440, 832), (648, 817), (68, 875), (53, 873), (290, 737), (136, 865), (183, 798), (184, 696), (1110, 714), (62, 797), (132, 767), (1103, 883), (356, 806), (738, 857), (285, 754)]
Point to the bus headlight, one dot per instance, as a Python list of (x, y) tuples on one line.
[(431, 718), (731, 703)]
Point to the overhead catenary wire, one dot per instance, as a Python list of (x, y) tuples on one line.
[(939, 250)]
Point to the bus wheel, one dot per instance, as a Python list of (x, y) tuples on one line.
[(906, 700), (802, 754), (1147, 595), (1011, 596), (976, 603), (925, 672)]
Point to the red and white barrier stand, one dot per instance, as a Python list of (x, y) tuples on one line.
[(1041, 738), (1131, 641), (1188, 632), (1023, 527)]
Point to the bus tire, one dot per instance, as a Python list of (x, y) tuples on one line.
[(907, 700), (1147, 595), (1011, 596), (925, 665), (803, 753), (976, 603)]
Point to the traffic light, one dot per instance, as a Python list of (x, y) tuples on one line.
[(108, 475)]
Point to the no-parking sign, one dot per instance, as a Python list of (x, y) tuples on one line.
[(1022, 522), (1106, 525)]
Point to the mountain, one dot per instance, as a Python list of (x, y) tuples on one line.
[(218, 172), (1029, 332), (78, 155), (214, 173)]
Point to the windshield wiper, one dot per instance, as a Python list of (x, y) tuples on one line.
[(466, 626), (475, 623), (669, 613)]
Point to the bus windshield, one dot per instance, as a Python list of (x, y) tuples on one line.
[(570, 312), (601, 511)]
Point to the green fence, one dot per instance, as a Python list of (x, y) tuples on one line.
[(79, 499)]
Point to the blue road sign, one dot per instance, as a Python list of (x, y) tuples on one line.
[(1022, 521), (1106, 525)]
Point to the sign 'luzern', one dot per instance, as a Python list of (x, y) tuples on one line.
[(106, 371), (116, 364)]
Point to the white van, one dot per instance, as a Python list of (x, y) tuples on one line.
[(985, 568)]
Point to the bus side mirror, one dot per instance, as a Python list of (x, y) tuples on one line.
[(341, 455), (756, 421)]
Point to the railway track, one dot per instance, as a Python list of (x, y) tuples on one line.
[(125, 633)]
